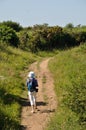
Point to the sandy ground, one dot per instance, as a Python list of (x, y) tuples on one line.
[(46, 99)]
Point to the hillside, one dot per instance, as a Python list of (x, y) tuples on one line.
[(67, 75), (69, 72), (13, 64)]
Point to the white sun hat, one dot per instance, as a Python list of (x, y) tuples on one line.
[(31, 74)]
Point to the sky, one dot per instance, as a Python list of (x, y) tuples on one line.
[(53, 12)]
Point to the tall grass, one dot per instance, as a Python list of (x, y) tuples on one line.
[(69, 72), (14, 64), (68, 68)]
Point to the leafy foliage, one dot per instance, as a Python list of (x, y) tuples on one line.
[(23, 39), (15, 26), (42, 37), (9, 36)]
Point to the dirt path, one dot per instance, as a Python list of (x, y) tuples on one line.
[(46, 99)]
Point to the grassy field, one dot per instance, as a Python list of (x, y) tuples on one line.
[(69, 73), (14, 65)]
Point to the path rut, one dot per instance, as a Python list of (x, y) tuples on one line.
[(46, 99)]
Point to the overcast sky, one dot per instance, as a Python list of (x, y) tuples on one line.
[(53, 12)]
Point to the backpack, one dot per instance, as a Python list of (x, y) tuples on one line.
[(32, 84)]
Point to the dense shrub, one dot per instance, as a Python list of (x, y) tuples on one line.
[(34, 43), (42, 37), (23, 39), (15, 26), (80, 37), (9, 36), (49, 38)]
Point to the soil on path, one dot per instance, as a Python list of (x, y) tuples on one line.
[(46, 99)]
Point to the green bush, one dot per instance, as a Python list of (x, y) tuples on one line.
[(23, 40), (15, 26), (9, 36), (80, 37)]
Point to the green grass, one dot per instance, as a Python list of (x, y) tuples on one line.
[(14, 65), (69, 72), (45, 54)]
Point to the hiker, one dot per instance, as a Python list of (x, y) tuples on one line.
[(32, 85)]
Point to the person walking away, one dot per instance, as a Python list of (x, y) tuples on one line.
[(32, 85)]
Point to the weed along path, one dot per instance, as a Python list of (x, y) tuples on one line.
[(46, 99)]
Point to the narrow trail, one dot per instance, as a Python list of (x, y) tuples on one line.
[(46, 99)]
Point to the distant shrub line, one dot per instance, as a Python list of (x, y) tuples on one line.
[(41, 37)]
